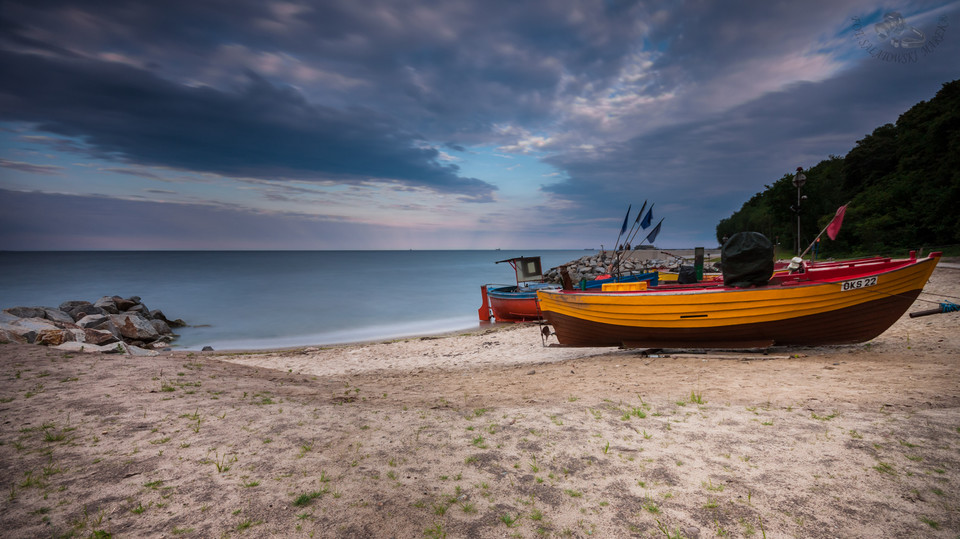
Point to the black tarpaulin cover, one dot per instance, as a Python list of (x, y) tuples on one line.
[(747, 260)]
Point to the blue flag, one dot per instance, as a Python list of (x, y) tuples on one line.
[(646, 220), (652, 236), (625, 219)]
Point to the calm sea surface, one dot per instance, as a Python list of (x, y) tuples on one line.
[(269, 299)]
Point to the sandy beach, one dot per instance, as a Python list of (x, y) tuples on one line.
[(490, 434)]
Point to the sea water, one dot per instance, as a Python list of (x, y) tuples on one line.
[(273, 299)]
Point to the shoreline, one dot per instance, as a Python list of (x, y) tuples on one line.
[(944, 267)]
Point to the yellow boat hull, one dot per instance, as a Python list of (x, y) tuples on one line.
[(792, 312)]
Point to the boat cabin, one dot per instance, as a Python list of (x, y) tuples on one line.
[(527, 268)]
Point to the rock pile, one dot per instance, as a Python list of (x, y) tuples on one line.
[(111, 324), (590, 266)]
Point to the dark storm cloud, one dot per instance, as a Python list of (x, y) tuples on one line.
[(440, 67), (260, 131)]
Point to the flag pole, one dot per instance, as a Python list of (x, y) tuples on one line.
[(633, 228), (623, 228), (821, 233), (630, 234)]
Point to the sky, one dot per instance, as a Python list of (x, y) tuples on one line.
[(447, 124)]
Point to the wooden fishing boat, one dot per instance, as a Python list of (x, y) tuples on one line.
[(824, 303), (518, 303)]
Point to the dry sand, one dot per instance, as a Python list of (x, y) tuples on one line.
[(490, 434)]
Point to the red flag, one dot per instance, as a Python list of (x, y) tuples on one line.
[(834, 227)]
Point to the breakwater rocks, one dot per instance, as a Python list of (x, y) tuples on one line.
[(110, 324), (590, 266)]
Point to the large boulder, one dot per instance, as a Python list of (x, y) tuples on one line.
[(99, 321), (79, 309), (139, 308), (135, 327), (161, 327), (85, 347), (7, 336), (52, 337), (26, 328), (99, 336), (68, 306), (108, 304), (157, 314), (57, 315), (74, 346), (27, 312)]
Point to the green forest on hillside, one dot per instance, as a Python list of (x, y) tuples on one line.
[(902, 182)]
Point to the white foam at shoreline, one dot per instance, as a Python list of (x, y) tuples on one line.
[(362, 334)]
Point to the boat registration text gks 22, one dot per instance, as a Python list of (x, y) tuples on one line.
[(858, 283)]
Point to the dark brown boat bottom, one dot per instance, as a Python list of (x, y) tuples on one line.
[(845, 326)]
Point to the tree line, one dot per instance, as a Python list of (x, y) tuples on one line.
[(902, 182)]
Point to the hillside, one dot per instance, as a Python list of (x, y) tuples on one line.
[(902, 182)]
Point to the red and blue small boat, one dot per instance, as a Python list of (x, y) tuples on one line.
[(518, 303)]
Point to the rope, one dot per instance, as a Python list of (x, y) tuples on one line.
[(947, 307), (940, 295), (955, 307)]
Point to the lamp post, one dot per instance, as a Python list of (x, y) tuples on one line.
[(798, 180)]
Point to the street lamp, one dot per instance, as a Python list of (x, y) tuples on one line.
[(798, 180)]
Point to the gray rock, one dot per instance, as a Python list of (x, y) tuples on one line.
[(141, 352), (74, 346), (57, 315), (68, 306), (108, 304), (26, 312), (135, 327), (207, 349), (161, 327), (118, 348), (101, 322), (93, 320), (139, 308), (123, 304), (80, 311)]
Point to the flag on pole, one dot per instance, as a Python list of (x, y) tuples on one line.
[(648, 218), (652, 236), (625, 219), (640, 214), (834, 227)]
